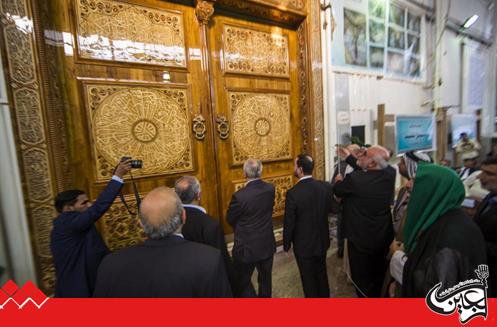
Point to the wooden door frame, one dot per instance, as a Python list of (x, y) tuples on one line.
[(37, 102)]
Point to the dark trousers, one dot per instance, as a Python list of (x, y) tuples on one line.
[(264, 279), (367, 270), (340, 236), (314, 276)]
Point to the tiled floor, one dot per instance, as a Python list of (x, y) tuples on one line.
[(286, 277)]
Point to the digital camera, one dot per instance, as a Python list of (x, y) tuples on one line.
[(135, 163)]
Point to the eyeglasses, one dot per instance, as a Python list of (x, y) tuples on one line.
[(362, 152)]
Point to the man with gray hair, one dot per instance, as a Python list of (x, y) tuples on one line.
[(165, 265), (250, 213), (367, 195), (199, 226)]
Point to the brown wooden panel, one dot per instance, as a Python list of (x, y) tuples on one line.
[(123, 105), (119, 32), (259, 98), (147, 121)]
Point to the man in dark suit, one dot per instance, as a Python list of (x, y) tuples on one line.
[(367, 195), (343, 168), (486, 219), (199, 226), (76, 246), (165, 265), (305, 225), (250, 213)]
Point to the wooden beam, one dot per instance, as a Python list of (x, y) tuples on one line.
[(381, 124)]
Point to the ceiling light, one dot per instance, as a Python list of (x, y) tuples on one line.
[(470, 21)]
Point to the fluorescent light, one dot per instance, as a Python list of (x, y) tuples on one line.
[(470, 21)]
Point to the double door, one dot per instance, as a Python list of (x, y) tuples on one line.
[(146, 79)]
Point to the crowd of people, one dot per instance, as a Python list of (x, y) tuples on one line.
[(396, 244)]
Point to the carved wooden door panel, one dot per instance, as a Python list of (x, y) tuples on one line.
[(135, 86), (254, 75)]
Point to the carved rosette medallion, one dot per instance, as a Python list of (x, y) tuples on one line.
[(260, 126), (281, 184), (151, 124), (117, 31), (253, 52)]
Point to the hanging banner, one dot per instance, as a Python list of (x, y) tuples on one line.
[(415, 133)]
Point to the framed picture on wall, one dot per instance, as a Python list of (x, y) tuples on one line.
[(355, 38), (415, 133)]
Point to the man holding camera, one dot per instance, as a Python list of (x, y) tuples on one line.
[(76, 246)]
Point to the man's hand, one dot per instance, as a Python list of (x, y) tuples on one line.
[(123, 168), (338, 178), (391, 289), (289, 253), (343, 152), (396, 246)]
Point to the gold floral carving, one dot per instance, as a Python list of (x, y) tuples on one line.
[(281, 184), (35, 166), (315, 76), (14, 7), (25, 90), (204, 11), (19, 43), (260, 126), (30, 129), (149, 123), (253, 52), (117, 31), (120, 229), (41, 225), (304, 98)]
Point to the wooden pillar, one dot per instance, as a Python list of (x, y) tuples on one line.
[(380, 124), (441, 121)]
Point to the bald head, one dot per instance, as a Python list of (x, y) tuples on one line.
[(188, 189), (378, 150), (376, 157), (161, 213)]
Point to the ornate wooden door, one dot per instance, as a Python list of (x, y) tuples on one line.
[(256, 105), (92, 80), (137, 86)]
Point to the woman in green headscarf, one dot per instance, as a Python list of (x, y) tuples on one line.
[(442, 243)]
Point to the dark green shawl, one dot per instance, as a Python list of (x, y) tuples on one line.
[(436, 190)]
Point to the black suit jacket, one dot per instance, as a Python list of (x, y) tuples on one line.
[(251, 214), (486, 219), (306, 218), (78, 248), (367, 219), (202, 228), (171, 267)]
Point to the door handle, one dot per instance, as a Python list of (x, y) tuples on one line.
[(198, 127), (223, 127)]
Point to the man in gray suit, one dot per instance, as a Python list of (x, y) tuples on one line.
[(250, 213)]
